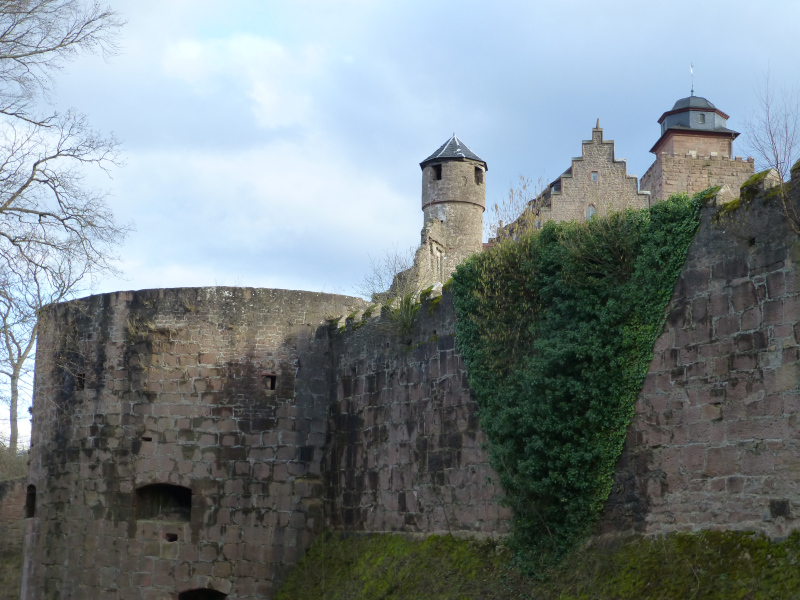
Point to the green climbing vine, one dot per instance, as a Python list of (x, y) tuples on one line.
[(557, 331)]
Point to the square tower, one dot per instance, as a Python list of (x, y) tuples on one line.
[(694, 152)]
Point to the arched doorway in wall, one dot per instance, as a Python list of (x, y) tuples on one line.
[(591, 212), (202, 594)]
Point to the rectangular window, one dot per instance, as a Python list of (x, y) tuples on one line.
[(270, 382), (595, 175), (478, 175), (702, 118), (437, 171)]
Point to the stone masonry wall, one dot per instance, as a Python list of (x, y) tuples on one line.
[(404, 444), (614, 189), (222, 391), (690, 174), (682, 143), (12, 506), (715, 443)]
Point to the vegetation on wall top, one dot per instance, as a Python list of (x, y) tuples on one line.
[(557, 331)]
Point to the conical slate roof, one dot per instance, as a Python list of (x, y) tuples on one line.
[(453, 149)]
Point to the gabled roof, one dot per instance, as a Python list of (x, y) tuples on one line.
[(453, 149)]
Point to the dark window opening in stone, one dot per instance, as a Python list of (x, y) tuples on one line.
[(779, 508), (80, 381), (595, 175), (204, 594), (164, 502), (478, 175), (270, 382), (702, 118), (437, 171), (171, 537), (30, 502), (146, 438)]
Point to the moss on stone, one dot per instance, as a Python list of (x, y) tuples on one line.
[(796, 166), (727, 210), (755, 178), (434, 304), (703, 566), (426, 293)]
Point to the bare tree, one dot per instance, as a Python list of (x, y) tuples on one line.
[(519, 211), (395, 283), (773, 136), (56, 233)]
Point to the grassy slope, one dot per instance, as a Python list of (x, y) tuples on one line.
[(705, 566)]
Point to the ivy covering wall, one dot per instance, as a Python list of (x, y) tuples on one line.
[(557, 331)]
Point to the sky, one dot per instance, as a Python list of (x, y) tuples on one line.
[(276, 143)]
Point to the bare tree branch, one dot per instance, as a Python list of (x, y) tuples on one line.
[(519, 211), (772, 134), (57, 234)]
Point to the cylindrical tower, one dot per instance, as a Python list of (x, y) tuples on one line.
[(453, 201)]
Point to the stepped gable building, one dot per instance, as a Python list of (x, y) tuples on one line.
[(453, 201), (595, 184), (695, 152)]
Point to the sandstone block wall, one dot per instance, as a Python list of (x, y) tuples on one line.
[(404, 444), (715, 443), (614, 189), (679, 143), (12, 507), (221, 391), (687, 173)]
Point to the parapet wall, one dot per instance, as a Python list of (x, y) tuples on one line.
[(690, 174), (404, 443)]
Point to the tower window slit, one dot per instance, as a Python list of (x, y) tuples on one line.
[(478, 175), (437, 172), (30, 502)]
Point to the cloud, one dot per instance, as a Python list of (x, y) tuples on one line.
[(276, 79), (288, 213)]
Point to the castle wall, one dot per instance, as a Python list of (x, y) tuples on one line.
[(223, 391), (12, 506), (404, 445), (715, 442), (690, 174), (370, 430), (614, 189)]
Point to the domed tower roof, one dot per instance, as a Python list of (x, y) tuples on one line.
[(693, 115), (453, 149), (693, 102)]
